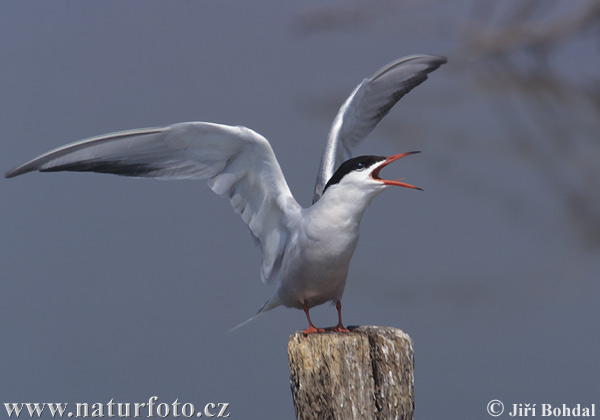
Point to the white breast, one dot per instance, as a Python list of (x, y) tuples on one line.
[(319, 252)]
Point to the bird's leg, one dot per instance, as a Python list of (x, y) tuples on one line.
[(311, 328), (339, 327)]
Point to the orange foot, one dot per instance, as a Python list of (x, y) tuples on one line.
[(338, 328), (312, 329)]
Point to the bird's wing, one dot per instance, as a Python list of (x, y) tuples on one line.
[(366, 106), (237, 162)]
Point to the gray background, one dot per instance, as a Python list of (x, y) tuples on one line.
[(123, 288)]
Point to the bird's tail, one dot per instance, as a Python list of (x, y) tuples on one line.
[(269, 304)]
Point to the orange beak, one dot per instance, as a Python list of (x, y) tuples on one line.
[(390, 159)]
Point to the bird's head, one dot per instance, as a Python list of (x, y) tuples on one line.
[(360, 175)]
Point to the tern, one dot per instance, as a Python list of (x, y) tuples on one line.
[(305, 251)]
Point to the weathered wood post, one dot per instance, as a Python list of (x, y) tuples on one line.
[(364, 374)]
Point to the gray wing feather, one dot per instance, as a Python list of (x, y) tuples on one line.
[(366, 107), (237, 163)]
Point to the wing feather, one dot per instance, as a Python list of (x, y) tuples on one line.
[(365, 108), (237, 162)]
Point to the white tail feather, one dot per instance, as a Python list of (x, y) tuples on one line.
[(270, 304)]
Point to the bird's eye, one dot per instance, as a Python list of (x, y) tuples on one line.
[(360, 165)]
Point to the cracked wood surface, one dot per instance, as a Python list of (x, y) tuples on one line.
[(364, 374)]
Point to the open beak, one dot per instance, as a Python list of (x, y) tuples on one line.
[(390, 159)]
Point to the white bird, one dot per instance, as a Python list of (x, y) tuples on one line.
[(305, 251)]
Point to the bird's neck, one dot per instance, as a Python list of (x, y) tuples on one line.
[(343, 205)]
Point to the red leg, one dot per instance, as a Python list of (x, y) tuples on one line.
[(339, 327), (311, 328)]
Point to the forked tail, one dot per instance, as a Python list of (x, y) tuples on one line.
[(269, 304)]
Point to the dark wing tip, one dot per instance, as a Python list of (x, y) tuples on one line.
[(433, 62), (115, 167)]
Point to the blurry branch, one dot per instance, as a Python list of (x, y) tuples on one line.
[(526, 55), (522, 32), (331, 19), (356, 15), (551, 121)]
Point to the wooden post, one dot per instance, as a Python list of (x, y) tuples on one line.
[(364, 374)]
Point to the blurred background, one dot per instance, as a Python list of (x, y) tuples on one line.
[(124, 288)]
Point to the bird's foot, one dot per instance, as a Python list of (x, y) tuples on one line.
[(338, 328), (312, 329)]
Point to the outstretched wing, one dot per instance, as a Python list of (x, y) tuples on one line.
[(237, 162), (366, 106)]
